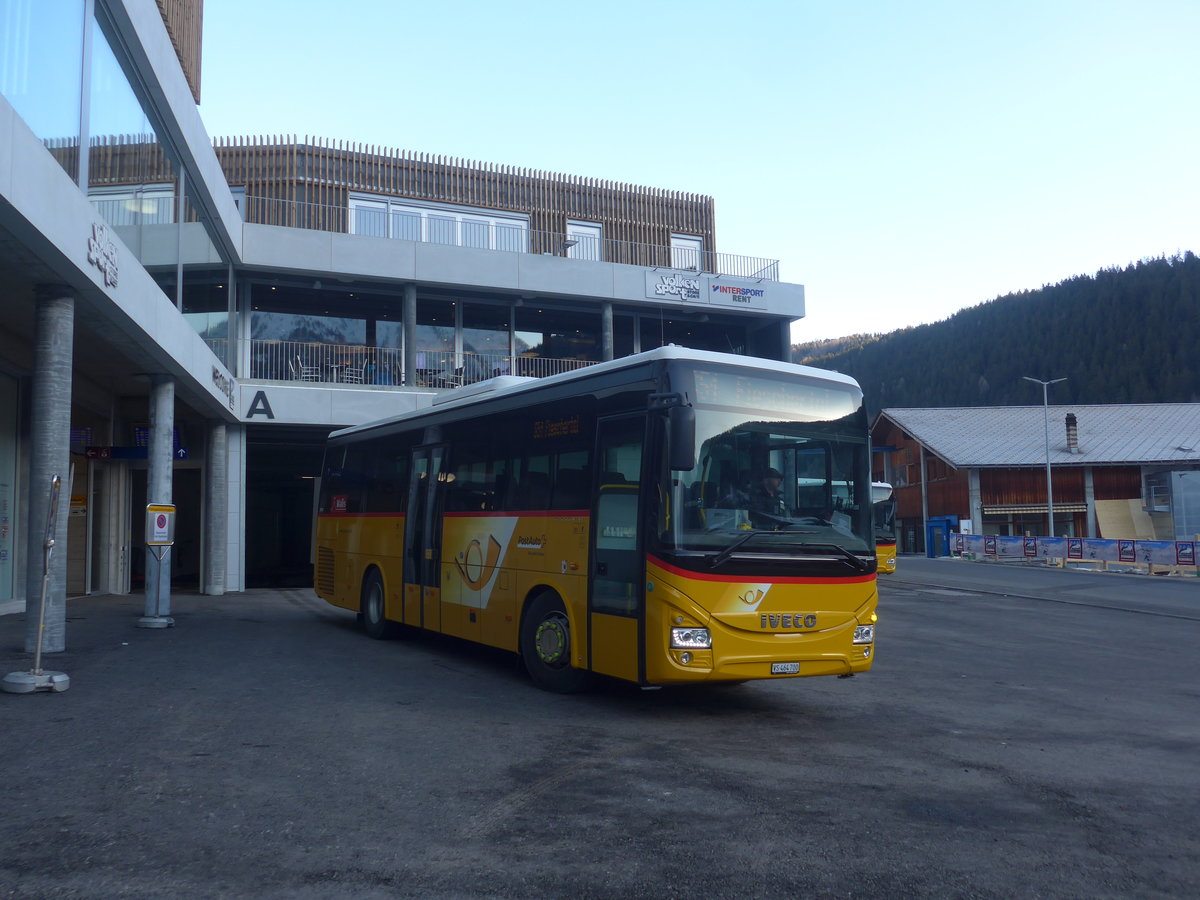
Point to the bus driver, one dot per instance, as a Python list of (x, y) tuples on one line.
[(766, 496)]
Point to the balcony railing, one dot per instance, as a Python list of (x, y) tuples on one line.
[(355, 364), (142, 207), (508, 238), (220, 348)]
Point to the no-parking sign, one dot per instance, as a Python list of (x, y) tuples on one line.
[(160, 525)]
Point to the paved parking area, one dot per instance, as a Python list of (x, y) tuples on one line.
[(265, 748)]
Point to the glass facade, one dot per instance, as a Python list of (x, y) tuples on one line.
[(41, 71), (8, 483), (132, 181), (558, 334), (457, 340), (699, 334), (1185, 504)]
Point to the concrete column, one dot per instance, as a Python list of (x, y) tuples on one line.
[(410, 334), (216, 525), (1089, 496), (975, 494), (50, 455), (924, 539), (606, 331), (235, 499), (161, 461)]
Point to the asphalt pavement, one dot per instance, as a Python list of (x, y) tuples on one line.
[(1021, 734)]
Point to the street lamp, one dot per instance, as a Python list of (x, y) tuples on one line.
[(1049, 484)]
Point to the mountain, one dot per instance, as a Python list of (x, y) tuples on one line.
[(1128, 335)]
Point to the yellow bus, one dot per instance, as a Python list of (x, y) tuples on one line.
[(606, 521), (884, 499)]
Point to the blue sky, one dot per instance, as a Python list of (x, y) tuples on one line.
[(901, 160)]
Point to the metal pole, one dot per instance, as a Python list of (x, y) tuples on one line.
[(1049, 480), (47, 552), (36, 679), (1049, 476)]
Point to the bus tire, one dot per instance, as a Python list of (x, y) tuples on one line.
[(374, 607), (546, 646)]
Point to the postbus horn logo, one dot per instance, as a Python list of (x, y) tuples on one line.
[(475, 568)]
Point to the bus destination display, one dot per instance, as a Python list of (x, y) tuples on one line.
[(791, 398)]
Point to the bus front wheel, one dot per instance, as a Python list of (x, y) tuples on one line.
[(546, 646), (374, 616)]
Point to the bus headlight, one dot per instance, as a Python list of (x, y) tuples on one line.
[(691, 638), (864, 634)]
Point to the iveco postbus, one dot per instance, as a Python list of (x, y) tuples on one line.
[(606, 521)]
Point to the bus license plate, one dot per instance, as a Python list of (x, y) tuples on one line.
[(785, 668)]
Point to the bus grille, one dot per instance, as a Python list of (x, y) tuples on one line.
[(325, 571)]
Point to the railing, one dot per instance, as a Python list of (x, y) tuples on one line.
[(153, 205), (219, 347), (507, 237), (356, 364)]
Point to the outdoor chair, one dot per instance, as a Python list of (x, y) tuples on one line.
[(354, 374), (305, 373)]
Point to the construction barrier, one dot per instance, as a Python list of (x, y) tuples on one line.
[(1176, 555)]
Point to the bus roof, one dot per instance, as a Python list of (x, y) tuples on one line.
[(510, 385)]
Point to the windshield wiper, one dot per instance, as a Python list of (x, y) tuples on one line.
[(728, 551), (852, 558), (836, 549)]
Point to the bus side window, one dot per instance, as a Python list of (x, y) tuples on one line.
[(388, 482), (331, 479), (356, 480), (570, 489), (534, 491), (500, 499)]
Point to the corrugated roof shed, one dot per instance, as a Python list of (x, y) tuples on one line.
[(1111, 434)]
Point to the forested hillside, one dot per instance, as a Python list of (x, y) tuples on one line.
[(1127, 335)]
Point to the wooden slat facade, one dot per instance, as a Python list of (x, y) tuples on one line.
[(308, 185), (128, 159), (281, 175), (185, 25)]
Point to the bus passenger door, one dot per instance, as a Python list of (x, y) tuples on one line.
[(618, 570), (423, 539)]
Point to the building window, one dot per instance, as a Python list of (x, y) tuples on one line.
[(686, 252), (587, 238), (239, 198), (135, 204), (689, 331), (460, 226), (485, 341), (554, 334), (1157, 496)]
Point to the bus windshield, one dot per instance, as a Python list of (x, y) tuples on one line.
[(885, 511), (794, 482)]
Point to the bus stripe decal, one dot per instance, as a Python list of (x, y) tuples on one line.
[(738, 579)]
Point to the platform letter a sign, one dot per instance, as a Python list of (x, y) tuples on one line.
[(260, 406)]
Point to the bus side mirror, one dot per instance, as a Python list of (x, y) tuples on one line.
[(681, 438)]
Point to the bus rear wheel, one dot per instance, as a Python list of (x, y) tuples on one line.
[(374, 609), (546, 646)]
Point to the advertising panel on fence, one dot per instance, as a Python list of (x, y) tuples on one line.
[(1159, 553)]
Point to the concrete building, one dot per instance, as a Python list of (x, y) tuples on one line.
[(187, 319)]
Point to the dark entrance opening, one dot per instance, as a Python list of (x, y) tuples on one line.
[(282, 464)]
